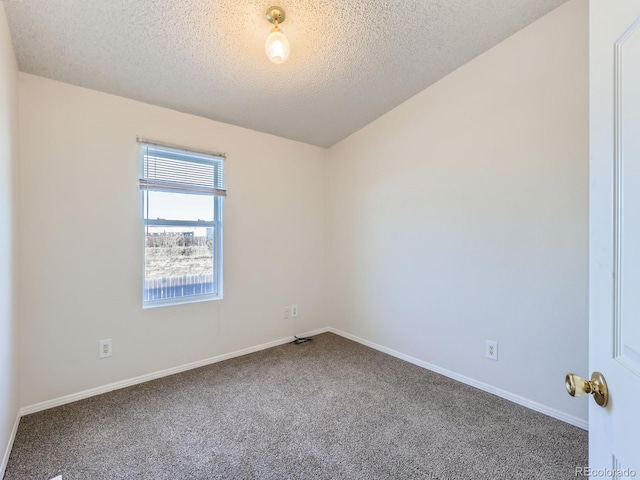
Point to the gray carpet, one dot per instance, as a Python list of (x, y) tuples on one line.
[(328, 409)]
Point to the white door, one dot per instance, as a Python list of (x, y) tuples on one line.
[(614, 236)]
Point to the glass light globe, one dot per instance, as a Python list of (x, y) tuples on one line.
[(277, 46)]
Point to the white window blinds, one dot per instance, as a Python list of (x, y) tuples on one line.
[(168, 169)]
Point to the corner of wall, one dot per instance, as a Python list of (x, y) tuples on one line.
[(9, 395)]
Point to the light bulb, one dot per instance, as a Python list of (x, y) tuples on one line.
[(277, 46)]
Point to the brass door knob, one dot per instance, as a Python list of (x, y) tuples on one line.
[(578, 386)]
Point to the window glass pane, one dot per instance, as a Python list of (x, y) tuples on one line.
[(179, 262), (183, 225), (178, 206)]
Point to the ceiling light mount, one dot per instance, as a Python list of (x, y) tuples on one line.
[(277, 45), (275, 15)]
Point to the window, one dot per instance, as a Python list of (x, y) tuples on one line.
[(182, 200)]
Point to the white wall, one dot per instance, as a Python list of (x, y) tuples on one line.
[(461, 216), (80, 263), (8, 322)]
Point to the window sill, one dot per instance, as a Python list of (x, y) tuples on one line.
[(179, 301)]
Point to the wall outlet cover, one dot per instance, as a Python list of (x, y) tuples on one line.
[(105, 348), (491, 350)]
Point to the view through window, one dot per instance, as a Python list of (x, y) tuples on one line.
[(183, 194)]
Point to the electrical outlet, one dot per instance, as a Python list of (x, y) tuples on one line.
[(286, 312), (491, 350), (105, 348), (294, 310)]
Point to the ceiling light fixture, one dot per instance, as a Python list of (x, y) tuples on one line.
[(277, 45)]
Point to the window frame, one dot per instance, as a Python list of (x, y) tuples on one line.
[(217, 224)]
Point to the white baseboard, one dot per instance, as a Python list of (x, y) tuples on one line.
[(74, 397), (7, 451), (525, 402)]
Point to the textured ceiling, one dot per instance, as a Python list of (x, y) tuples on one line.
[(351, 61)]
